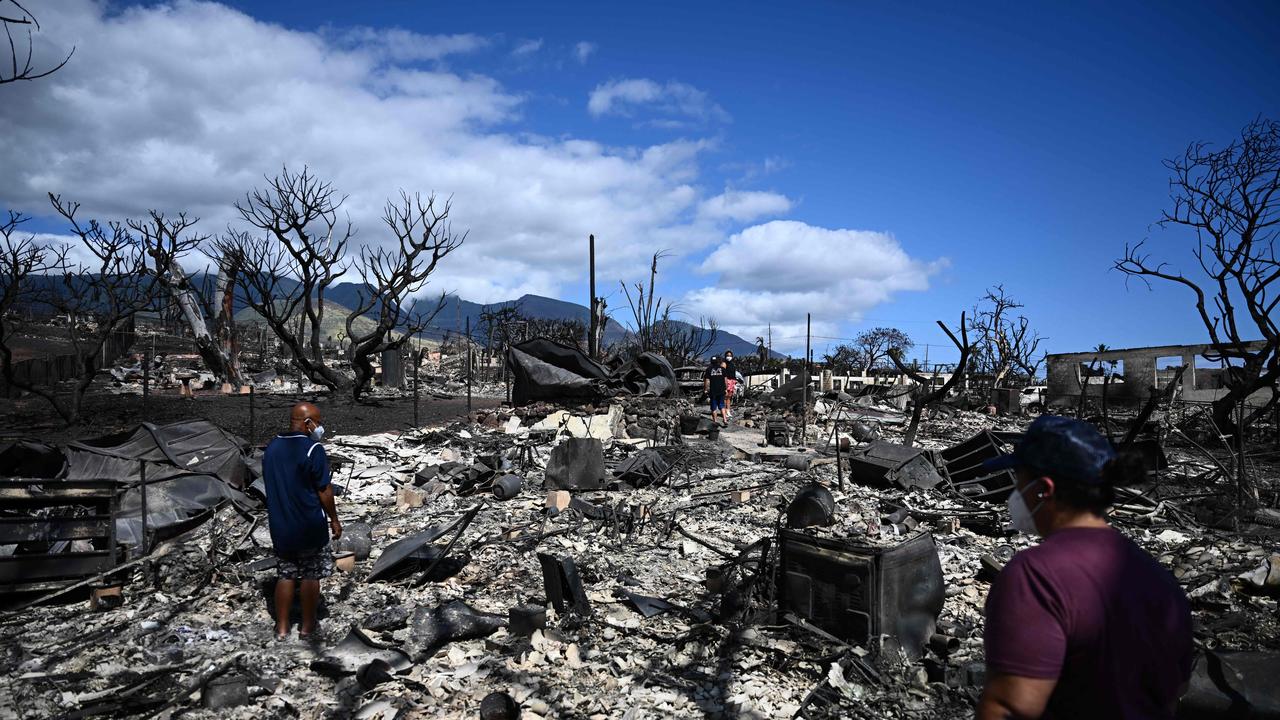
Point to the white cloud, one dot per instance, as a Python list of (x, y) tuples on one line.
[(527, 47), (397, 45), (584, 50), (623, 97), (778, 271), (743, 206), (186, 106)]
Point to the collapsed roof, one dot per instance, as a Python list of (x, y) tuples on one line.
[(191, 467), (546, 370)]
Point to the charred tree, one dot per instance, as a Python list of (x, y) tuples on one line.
[(22, 261), (684, 343), (210, 319), (98, 297), (289, 268), (1002, 341), (1230, 200), (926, 399), (393, 276), (18, 21)]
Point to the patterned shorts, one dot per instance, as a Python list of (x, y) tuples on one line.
[(314, 566)]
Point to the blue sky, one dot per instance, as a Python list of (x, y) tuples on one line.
[(1018, 144)]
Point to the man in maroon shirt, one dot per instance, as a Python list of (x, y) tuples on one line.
[(1086, 624)]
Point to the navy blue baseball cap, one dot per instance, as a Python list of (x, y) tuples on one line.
[(1061, 448)]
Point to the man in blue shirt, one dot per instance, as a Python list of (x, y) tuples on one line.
[(299, 497)]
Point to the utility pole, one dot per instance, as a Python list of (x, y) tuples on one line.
[(591, 300), (468, 364), (804, 431)]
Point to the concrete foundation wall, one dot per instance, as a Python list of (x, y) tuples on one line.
[(1139, 375)]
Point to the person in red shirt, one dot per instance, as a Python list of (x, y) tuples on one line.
[(1086, 624)]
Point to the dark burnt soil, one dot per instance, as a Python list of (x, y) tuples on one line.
[(105, 413)]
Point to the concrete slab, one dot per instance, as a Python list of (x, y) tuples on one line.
[(749, 444)]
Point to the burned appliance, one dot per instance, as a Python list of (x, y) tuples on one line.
[(886, 463), (42, 519), (962, 465), (858, 592), (777, 432)]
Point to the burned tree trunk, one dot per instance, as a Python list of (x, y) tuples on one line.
[(166, 242), (895, 354), (393, 276), (1230, 200), (286, 272)]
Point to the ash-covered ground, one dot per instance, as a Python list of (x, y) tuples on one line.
[(680, 592)]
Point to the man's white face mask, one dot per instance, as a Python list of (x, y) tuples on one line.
[(1021, 516), (317, 433)]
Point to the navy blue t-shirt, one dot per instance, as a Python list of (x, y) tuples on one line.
[(295, 468)]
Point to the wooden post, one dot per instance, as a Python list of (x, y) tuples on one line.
[(142, 488), (251, 417), (146, 383), (417, 357)]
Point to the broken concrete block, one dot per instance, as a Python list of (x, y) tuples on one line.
[(740, 496), (558, 500), (408, 498), (245, 389), (226, 388), (576, 464), (512, 426)]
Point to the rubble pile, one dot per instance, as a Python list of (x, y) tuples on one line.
[(612, 559)]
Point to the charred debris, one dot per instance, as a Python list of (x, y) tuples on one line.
[(597, 548)]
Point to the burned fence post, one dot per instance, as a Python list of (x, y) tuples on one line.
[(142, 489), (563, 586), (146, 382), (417, 358), (251, 416)]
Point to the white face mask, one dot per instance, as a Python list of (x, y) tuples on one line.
[(317, 433), (1022, 517)]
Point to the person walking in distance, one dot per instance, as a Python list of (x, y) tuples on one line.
[(295, 469), (713, 383), (1085, 624), (730, 383)]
